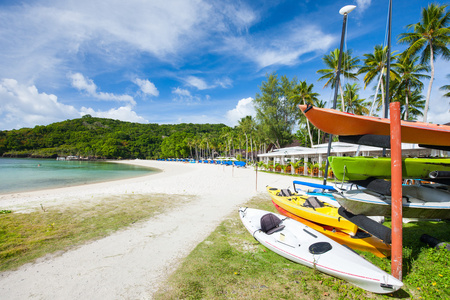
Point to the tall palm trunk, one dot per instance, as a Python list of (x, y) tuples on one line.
[(342, 96), (427, 101), (246, 147), (383, 100), (307, 125), (408, 92), (251, 147)]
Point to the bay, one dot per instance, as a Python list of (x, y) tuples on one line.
[(26, 174)]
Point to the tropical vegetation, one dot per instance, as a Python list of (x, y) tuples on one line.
[(430, 37), (278, 120)]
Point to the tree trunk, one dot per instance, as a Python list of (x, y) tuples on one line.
[(382, 99), (342, 97), (251, 148), (246, 147), (376, 92), (427, 102), (407, 101), (307, 124)]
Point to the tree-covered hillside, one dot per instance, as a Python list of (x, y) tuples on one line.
[(97, 138)]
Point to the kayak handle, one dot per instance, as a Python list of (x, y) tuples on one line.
[(308, 107)]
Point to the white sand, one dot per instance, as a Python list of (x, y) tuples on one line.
[(130, 264)]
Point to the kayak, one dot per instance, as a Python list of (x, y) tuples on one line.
[(341, 123), (370, 203), (361, 241), (311, 208), (361, 168), (304, 245)]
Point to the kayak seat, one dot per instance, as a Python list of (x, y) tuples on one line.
[(320, 248), (270, 223), (313, 203), (285, 193)]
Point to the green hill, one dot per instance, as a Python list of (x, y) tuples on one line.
[(103, 138)]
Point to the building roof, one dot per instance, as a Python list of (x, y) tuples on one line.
[(336, 148)]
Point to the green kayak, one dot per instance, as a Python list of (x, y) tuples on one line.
[(361, 168)]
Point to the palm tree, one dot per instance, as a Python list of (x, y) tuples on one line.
[(446, 88), (247, 126), (320, 104), (416, 104), (332, 61), (227, 136), (304, 92), (374, 66), (354, 104), (430, 35), (190, 143), (409, 72)]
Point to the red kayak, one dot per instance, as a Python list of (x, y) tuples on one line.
[(341, 123)]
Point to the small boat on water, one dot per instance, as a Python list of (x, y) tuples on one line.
[(311, 208), (304, 245), (362, 241)]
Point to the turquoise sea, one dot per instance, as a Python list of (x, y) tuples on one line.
[(26, 174)]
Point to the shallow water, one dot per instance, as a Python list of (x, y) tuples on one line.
[(25, 174)]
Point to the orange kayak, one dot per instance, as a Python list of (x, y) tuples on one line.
[(366, 242), (341, 123)]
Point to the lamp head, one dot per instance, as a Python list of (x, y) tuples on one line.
[(347, 9)]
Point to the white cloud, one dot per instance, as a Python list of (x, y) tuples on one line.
[(23, 106), (281, 50), (123, 113), (197, 82), (147, 87), (224, 82), (201, 84), (45, 40), (184, 96), (85, 84), (181, 92), (243, 108), (363, 5)]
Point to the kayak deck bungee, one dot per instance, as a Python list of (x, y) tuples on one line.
[(361, 168), (304, 245), (361, 241), (341, 123), (323, 213)]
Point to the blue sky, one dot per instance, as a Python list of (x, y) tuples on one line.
[(177, 61)]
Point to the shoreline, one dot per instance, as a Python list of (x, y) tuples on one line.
[(133, 262), (92, 180)]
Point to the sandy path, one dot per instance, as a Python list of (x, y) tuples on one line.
[(130, 264)]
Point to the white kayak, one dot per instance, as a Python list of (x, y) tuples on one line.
[(324, 195), (370, 203), (302, 244)]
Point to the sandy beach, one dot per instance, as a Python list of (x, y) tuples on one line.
[(131, 263)]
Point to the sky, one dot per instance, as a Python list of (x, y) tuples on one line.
[(179, 61)]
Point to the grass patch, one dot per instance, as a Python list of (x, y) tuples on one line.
[(230, 263), (27, 236)]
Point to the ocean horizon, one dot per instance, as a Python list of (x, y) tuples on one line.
[(30, 174)]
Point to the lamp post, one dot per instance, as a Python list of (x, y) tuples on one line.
[(343, 11)]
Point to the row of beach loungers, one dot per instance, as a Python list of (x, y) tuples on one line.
[(216, 162)]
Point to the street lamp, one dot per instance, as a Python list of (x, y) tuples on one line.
[(347, 9), (343, 11)]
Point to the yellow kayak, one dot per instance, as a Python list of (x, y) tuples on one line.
[(361, 241), (310, 208)]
